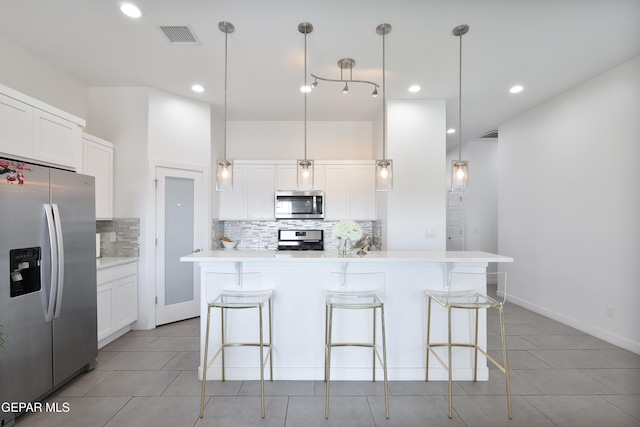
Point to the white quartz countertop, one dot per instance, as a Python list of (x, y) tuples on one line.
[(113, 261), (235, 255)]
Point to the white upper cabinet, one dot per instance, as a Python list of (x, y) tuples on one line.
[(55, 140), (16, 127), (253, 193), (33, 131), (98, 162), (349, 191), (287, 177)]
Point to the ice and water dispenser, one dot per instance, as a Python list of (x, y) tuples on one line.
[(24, 266)]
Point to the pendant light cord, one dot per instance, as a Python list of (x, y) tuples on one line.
[(305, 95), (225, 96), (460, 102), (384, 103)]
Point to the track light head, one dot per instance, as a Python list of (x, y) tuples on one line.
[(314, 84), (345, 90), (375, 92)]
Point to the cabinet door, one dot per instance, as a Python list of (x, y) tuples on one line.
[(98, 162), (261, 192), (363, 192), (233, 204), (287, 177), (55, 139), (16, 127), (105, 311), (336, 189), (125, 293)]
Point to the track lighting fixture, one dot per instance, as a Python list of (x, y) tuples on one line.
[(346, 64)]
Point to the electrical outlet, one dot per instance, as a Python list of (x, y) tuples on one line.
[(431, 232), (611, 311)]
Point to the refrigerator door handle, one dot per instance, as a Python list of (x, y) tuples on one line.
[(48, 210), (60, 242)]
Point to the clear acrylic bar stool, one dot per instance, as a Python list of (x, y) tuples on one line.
[(242, 291), (356, 291), (473, 300)]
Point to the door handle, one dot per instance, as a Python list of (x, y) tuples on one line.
[(197, 250), (54, 262)]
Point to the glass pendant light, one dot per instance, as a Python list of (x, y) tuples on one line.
[(384, 167), (224, 167), (460, 168), (305, 166)]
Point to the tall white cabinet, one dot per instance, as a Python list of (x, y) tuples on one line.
[(97, 161)]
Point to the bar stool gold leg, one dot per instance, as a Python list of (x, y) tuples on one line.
[(204, 365), (327, 362), (426, 377), (505, 362), (449, 367), (222, 327), (475, 352), (373, 348), (384, 361), (261, 364)]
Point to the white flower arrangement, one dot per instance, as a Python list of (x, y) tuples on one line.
[(347, 229)]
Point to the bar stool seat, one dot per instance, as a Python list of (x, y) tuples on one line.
[(467, 300), (240, 298), (351, 298)]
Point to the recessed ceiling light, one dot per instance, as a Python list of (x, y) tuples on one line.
[(516, 89), (131, 10), (197, 88), (451, 130), (414, 88)]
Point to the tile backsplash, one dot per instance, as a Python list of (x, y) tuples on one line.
[(263, 235), (119, 237)]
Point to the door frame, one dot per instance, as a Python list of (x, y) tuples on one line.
[(204, 243)]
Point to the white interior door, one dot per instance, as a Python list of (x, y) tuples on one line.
[(456, 239), (180, 219)]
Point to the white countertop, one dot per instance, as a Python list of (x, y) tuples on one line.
[(112, 261), (235, 255)]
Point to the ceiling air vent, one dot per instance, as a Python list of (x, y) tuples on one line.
[(490, 134), (179, 34)]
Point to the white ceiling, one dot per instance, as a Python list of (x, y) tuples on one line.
[(547, 46)]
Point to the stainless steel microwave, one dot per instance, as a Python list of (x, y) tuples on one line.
[(299, 205)]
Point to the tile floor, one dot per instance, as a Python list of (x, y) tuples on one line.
[(559, 377)]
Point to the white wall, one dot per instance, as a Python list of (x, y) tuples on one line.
[(417, 145), (179, 129), (26, 73), (148, 128), (120, 115), (248, 140), (569, 206)]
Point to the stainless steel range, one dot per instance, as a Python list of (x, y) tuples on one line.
[(300, 240)]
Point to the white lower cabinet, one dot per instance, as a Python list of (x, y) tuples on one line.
[(117, 301)]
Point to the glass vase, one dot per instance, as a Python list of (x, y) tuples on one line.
[(344, 247)]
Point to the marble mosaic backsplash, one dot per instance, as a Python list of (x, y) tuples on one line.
[(263, 235), (119, 237)]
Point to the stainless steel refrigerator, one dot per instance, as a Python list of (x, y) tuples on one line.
[(47, 280)]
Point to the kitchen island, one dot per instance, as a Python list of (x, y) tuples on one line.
[(299, 279)]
